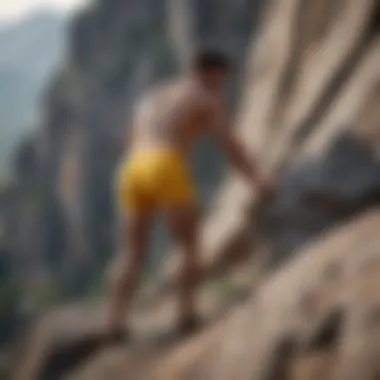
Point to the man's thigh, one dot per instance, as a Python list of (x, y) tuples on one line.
[(132, 237)]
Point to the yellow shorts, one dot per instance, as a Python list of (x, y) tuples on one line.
[(154, 179)]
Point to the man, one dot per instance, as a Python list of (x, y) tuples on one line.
[(156, 177)]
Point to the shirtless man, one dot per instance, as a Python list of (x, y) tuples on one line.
[(156, 177)]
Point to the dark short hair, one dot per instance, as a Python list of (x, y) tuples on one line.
[(209, 59)]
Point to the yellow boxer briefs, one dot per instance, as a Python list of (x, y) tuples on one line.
[(154, 179)]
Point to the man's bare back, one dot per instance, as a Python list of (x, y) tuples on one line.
[(173, 114)]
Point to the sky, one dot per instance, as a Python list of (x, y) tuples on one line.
[(13, 10)]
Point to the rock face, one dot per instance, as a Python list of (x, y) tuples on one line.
[(310, 113), (321, 193), (314, 319)]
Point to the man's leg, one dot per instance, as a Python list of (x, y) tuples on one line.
[(135, 230), (183, 225)]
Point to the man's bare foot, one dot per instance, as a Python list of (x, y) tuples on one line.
[(117, 336), (189, 325)]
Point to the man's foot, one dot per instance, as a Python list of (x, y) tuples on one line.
[(189, 325), (117, 336)]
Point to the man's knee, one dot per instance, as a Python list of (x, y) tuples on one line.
[(191, 268), (184, 224), (125, 269)]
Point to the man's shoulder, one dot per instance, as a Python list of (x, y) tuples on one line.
[(211, 101)]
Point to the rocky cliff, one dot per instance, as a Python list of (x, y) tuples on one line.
[(310, 112)]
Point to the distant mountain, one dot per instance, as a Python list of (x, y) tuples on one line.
[(29, 52)]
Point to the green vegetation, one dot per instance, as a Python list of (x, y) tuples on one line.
[(4, 374), (8, 308), (227, 288), (46, 296)]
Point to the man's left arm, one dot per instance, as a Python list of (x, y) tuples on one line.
[(235, 150)]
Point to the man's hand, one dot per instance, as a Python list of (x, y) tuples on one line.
[(265, 189)]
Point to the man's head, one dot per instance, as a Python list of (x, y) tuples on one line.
[(211, 67)]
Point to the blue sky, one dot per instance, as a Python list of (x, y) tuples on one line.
[(13, 10)]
